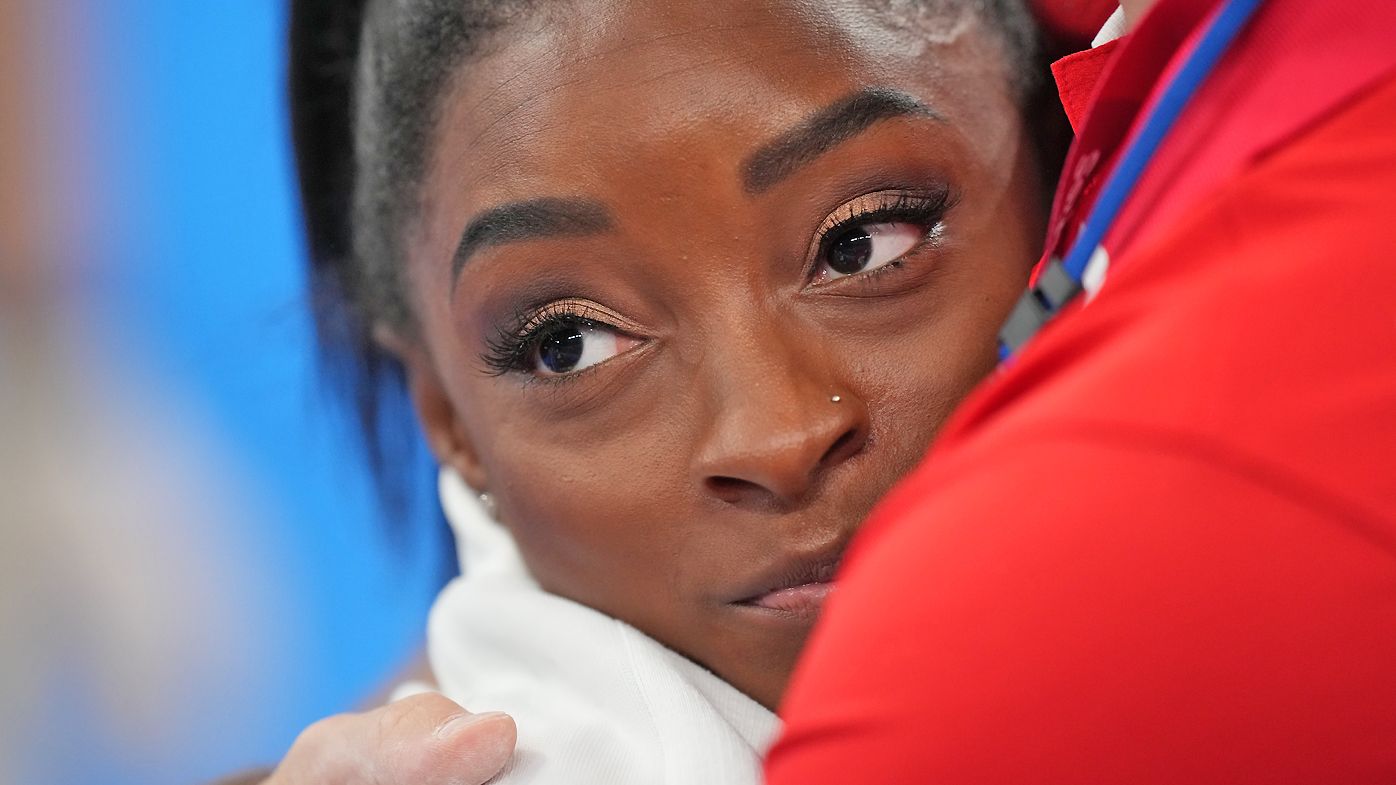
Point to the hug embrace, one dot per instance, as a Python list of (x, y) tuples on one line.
[(681, 290)]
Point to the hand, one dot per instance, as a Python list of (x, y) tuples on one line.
[(422, 740)]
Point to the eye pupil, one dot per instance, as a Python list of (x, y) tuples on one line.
[(851, 252), (560, 349)]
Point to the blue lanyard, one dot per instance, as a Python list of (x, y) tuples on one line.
[(1061, 281)]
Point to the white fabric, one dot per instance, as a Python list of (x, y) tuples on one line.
[(596, 701), (1093, 277), (1113, 28)]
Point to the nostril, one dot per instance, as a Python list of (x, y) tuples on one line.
[(843, 448), (730, 489)]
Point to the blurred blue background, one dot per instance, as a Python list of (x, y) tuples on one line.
[(172, 139)]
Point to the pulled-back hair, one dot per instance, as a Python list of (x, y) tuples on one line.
[(366, 82)]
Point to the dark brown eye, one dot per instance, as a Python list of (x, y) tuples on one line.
[(867, 247), (851, 253), (569, 345), (561, 348)]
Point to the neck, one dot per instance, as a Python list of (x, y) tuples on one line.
[(1135, 10)]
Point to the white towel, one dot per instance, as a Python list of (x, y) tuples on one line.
[(597, 701)]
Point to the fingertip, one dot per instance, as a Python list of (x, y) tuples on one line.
[(463, 720), (481, 743)]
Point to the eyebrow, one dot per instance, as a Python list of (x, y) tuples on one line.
[(824, 130), (530, 219)]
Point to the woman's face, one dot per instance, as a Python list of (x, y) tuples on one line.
[(696, 283)]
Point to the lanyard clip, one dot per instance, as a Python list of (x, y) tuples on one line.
[(1054, 288)]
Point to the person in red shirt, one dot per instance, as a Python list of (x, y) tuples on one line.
[(1160, 546)]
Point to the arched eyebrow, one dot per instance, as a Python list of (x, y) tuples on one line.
[(763, 169), (824, 130), (529, 220)]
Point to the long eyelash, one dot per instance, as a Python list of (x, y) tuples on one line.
[(511, 347), (922, 209)]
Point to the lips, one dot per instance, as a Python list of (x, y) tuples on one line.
[(796, 586)]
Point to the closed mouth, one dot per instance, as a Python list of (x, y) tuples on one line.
[(796, 586)]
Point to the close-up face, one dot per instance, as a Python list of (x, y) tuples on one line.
[(693, 283)]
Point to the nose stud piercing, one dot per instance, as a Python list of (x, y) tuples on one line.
[(836, 399)]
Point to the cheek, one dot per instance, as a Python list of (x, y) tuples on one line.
[(589, 525), (995, 247), (918, 381), (943, 345)]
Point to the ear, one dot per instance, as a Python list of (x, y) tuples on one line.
[(441, 423)]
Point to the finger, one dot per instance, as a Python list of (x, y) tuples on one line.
[(429, 740), (422, 740), (472, 749)]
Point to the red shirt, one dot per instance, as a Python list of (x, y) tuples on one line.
[(1160, 547)]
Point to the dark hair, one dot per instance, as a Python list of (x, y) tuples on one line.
[(324, 39), (366, 78)]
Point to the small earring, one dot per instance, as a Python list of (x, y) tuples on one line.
[(491, 507), (836, 399)]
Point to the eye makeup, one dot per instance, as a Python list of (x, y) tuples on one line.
[(924, 209), (515, 344)]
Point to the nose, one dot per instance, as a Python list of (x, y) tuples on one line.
[(774, 439)]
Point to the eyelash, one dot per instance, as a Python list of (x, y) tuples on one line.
[(512, 347), (925, 210)]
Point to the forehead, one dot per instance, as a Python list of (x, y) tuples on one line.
[(582, 96)]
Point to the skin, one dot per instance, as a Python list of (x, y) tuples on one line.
[(653, 112), (363, 746), (671, 481), (421, 740)]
